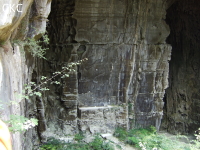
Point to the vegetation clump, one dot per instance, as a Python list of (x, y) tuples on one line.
[(96, 144), (34, 46), (149, 139)]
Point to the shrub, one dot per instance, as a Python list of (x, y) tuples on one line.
[(34, 46), (79, 137), (132, 141), (19, 123), (52, 144), (121, 133), (148, 139), (97, 144)]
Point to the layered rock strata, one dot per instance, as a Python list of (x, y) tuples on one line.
[(127, 65), (124, 80)]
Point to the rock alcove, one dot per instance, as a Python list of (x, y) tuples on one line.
[(182, 97)]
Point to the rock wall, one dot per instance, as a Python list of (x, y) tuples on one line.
[(123, 81), (11, 13), (182, 96), (18, 18), (127, 57)]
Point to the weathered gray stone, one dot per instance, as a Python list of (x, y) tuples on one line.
[(124, 80), (101, 119), (127, 63), (16, 67)]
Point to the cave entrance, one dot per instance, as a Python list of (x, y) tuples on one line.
[(182, 107)]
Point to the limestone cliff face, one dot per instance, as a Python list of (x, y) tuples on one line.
[(11, 13), (124, 80), (17, 21), (128, 57)]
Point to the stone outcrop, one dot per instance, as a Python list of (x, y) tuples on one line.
[(11, 13), (17, 22)]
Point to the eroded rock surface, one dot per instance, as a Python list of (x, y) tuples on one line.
[(17, 22), (123, 81), (127, 65), (127, 57)]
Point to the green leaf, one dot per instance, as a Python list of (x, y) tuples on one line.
[(38, 94)]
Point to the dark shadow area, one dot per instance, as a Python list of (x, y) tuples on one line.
[(182, 108)]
